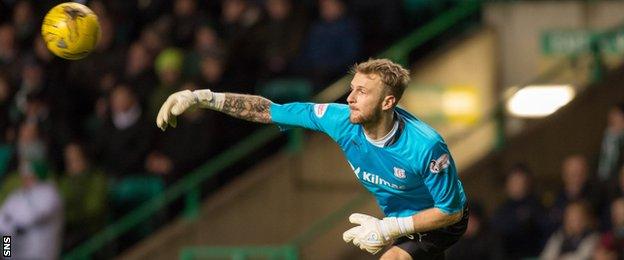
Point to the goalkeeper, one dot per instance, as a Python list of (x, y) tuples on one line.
[(402, 161)]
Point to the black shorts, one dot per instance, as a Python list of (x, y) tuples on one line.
[(431, 244)]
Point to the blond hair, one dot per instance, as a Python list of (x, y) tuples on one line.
[(392, 75)]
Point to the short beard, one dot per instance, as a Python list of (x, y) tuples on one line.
[(367, 119)]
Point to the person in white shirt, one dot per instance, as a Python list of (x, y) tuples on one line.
[(33, 216)]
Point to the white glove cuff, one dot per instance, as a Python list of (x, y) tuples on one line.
[(209, 99), (406, 225), (393, 227)]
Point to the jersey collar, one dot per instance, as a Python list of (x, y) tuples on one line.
[(392, 136)]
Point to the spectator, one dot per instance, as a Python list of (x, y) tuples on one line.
[(124, 140), (520, 219), (478, 242), (576, 186), (84, 191), (146, 12), (207, 40), (51, 127), (107, 27), (127, 17), (238, 17), (332, 44), (139, 70), (280, 36), (207, 43), (9, 61), (5, 105), (25, 23), (41, 52), (382, 20), (576, 239), (212, 74), (31, 146), (186, 18), (32, 83), (172, 156), (152, 39), (8, 50), (33, 215), (238, 20), (618, 191), (169, 70), (611, 245), (612, 149)]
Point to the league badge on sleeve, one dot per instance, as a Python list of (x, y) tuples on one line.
[(320, 109), (436, 166)]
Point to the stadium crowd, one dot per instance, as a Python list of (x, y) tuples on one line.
[(74, 135), (584, 220)]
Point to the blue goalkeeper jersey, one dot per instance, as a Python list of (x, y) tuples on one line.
[(412, 173)]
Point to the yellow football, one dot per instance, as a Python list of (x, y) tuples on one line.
[(70, 30)]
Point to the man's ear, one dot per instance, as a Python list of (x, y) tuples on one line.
[(388, 102)]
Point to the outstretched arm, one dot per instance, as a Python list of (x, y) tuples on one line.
[(331, 119), (248, 107)]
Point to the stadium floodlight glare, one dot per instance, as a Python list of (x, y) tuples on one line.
[(539, 101)]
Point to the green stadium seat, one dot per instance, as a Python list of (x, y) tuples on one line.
[(131, 192), (135, 189)]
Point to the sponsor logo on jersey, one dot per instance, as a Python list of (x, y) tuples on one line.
[(374, 178), (438, 165), (399, 173), (320, 109)]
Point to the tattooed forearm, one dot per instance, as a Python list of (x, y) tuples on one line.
[(247, 107)]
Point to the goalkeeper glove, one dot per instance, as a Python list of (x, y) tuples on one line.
[(373, 234), (180, 101)]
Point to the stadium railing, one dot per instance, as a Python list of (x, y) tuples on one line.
[(286, 252)]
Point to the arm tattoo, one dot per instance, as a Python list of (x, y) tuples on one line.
[(248, 107)]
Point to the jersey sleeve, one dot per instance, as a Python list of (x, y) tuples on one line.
[(332, 119), (440, 177)]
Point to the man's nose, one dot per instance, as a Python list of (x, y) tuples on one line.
[(350, 98)]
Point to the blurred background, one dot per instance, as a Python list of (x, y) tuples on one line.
[(528, 95)]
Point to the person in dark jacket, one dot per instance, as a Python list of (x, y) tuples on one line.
[(333, 43), (520, 219), (478, 242), (124, 140)]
